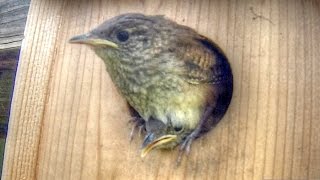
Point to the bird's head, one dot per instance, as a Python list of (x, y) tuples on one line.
[(161, 135), (130, 38)]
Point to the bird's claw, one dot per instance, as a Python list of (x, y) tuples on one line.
[(186, 144), (185, 147), (137, 122)]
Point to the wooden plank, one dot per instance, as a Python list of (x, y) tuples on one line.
[(13, 15), (68, 121)]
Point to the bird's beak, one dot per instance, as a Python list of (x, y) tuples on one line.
[(92, 40), (148, 146)]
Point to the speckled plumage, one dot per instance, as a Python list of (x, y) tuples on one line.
[(166, 72)]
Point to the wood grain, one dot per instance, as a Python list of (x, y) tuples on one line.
[(68, 121), (13, 15)]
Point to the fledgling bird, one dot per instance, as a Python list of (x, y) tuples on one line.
[(179, 82)]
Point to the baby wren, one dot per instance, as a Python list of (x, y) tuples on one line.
[(179, 82)]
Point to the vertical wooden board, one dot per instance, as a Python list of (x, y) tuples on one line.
[(30, 92), (314, 138), (273, 80), (69, 122), (13, 16)]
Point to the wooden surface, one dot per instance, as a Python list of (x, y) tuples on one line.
[(68, 121), (13, 15)]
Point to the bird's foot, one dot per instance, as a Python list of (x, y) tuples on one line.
[(137, 122), (186, 146)]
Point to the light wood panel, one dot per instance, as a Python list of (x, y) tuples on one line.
[(13, 16), (68, 121)]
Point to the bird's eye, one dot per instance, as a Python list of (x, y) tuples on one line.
[(122, 36), (177, 128)]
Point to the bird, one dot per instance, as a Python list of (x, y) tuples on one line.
[(177, 82)]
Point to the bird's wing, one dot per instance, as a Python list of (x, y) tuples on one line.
[(204, 62)]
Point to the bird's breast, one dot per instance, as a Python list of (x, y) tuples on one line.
[(183, 107), (159, 92)]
